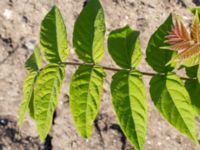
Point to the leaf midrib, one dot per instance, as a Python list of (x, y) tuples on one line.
[(129, 75), (180, 113), (88, 95), (57, 47), (32, 89), (51, 97), (29, 97), (93, 34), (126, 48)]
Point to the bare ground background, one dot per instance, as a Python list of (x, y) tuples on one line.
[(19, 31)]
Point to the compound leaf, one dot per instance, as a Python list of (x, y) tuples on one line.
[(28, 90), (85, 93), (157, 57), (173, 102), (88, 35), (129, 101), (46, 97), (34, 62), (53, 37), (193, 88), (124, 47)]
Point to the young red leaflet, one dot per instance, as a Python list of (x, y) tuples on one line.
[(187, 44)]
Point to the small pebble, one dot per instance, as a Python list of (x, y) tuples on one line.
[(159, 143), (149, 142), (3, 122), (29, 44), (7, 14), (167, 138)]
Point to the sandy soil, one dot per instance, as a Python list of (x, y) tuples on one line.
[(19, 31)]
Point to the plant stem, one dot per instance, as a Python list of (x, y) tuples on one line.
[(118, 69)]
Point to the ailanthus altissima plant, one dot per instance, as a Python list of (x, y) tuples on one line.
[(177, 101)]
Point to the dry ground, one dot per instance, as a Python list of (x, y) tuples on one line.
[(19, 31)]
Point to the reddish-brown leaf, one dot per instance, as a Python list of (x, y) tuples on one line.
[(180, 40), (195, 31), (181, 46), (178, 34)]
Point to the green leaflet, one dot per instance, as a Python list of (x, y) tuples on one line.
[(191, 71), (34, 62), (157, 57), (124, 47), (85, 93), (53, 37), (198, 74), (32, 65), (173, 102), (29, 83), (129, 101), (31, 108), (193, 88), (46, 96), (88, 35)]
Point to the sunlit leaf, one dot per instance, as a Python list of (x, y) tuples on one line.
[(124, 47), (46, 97), (89, 30), (193, 60), (129, 101), (28, 89), (32, 65), (173, 102), (34, 62), (53, 37), (85, 94)]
